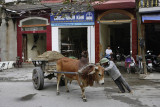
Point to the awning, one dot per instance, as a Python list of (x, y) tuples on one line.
[(153, 17), (54, 6), (114, 4)]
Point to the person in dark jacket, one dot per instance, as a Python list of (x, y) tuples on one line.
[(115, 74)]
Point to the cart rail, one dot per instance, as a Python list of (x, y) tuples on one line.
[(54, 71)]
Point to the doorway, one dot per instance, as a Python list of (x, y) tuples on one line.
[(115, 35), (34, 44), (73, 41), (152, 38)]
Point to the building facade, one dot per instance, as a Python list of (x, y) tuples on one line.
[(115, 25), (25, 31), (150, 24), (8, 32), (72, 35), (33, 37), (37, 30)]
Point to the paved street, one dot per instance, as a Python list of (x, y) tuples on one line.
[(17, 91), (40, 32)]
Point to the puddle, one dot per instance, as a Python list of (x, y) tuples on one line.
[(127, 100), (27, 97)]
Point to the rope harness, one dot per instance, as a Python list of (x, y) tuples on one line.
[(79, 73)]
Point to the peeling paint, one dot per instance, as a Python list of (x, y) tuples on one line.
[(7, 41)]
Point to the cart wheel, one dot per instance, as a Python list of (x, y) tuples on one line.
[(38, 78)]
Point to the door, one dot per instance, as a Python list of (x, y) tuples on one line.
[(24, 47)]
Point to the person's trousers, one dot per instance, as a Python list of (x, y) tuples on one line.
[(120, 82)]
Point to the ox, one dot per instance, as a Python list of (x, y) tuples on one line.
[(85, 76)]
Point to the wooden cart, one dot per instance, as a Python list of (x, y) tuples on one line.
[(45, 67)]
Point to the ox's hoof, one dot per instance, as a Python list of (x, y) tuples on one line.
[(84, 100), (58, 93), (67, 91)]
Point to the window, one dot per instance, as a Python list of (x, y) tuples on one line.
[(33, 24), (34, 28), (115, 16)]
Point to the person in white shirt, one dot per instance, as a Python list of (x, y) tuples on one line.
[(108, 52)]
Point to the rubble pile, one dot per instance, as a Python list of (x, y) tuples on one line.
[(49, 56)]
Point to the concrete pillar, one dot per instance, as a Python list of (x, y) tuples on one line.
[(8, 40)]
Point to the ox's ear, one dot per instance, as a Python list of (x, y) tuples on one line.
[(96, 67)]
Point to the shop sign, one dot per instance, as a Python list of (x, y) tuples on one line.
[(151, 17), (68, 19)]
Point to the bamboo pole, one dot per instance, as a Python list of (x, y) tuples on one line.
[(140, 36)]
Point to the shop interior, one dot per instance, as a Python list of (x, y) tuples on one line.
[(152, 38), (33, 44), (115, 35), (73, 41)]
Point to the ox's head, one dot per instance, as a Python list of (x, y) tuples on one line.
[(94, 72), (99, 74), (84, 54)]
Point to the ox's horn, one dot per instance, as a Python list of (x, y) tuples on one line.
[(92, 72), (96, 67), (84, 67)]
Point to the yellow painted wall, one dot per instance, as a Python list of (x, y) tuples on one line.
[(104, 38), (41, 46)]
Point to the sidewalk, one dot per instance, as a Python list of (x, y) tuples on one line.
[(155, 75), (25, 74), (17, 74)]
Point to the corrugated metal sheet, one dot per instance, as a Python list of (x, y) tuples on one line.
[(26, 7), (51, 1), (57, 4), (54, 6)]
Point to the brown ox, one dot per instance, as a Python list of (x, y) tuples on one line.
[(86, 76)]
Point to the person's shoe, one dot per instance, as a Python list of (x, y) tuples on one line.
[(131, 92), (120, 92)]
